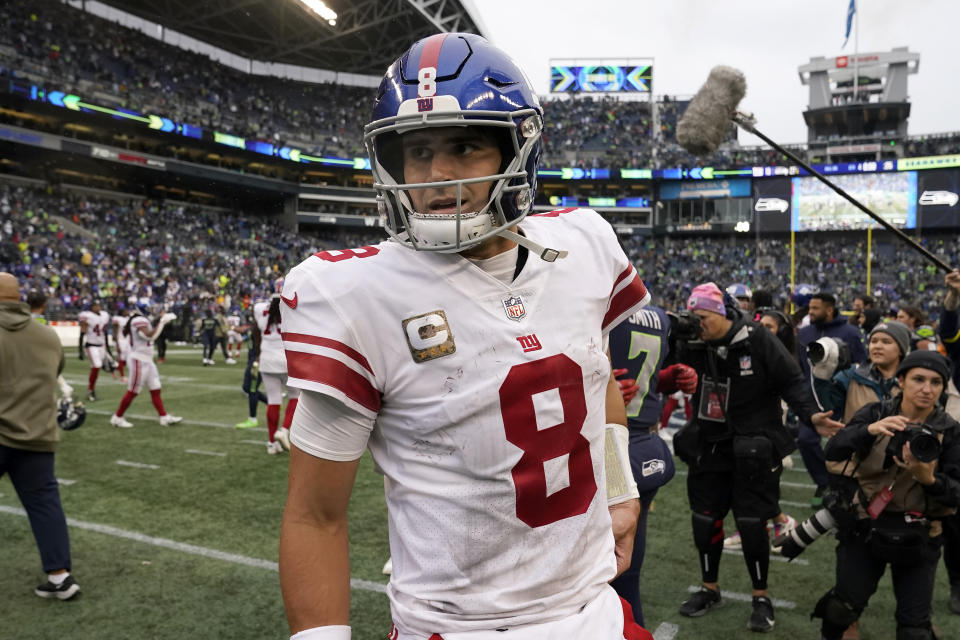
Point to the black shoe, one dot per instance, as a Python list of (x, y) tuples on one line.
[(63, 591), (701, 602), (91, 396), (762, 617), (954, 604)]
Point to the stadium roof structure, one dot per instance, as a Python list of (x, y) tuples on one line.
[(367, 37)]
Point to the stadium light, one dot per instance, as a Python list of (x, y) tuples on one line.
[(322, 10)]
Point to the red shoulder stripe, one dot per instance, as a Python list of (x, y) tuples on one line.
[(333, 373), (625, 299), (330, 344), (554, 213)]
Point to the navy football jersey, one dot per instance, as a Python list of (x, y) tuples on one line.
[(639, 345)]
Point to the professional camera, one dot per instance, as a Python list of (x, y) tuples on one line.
[(924, 443), (838, 512), (827, 356), (684, 326)]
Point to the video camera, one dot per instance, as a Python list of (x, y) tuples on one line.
[(684, 326), (827, 356)]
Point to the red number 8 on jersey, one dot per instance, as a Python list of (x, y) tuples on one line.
[(534, 506)]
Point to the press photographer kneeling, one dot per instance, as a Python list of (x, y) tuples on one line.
[(902, 474)]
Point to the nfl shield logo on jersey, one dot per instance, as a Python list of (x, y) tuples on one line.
[(514, 307)]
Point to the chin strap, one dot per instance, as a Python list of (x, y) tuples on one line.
[(545, 253)]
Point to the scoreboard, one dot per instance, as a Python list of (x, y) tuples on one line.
[(601, 77)]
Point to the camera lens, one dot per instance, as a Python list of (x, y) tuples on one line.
[(925, 447), (815, 352)]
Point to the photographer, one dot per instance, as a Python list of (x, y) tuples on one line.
[(904, 456), (845, 392), (735, 443), (824, 323)]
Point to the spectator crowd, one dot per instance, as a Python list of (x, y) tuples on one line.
[(52, 43)]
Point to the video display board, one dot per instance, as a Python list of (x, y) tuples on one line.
[(939, 198), (771, 204), (601, 78), (816, 207)]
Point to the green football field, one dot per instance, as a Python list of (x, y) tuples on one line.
[(174, 534)]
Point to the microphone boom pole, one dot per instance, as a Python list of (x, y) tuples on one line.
[(747, 122)]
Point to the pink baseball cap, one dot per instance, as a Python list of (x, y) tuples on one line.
[(707, 297)]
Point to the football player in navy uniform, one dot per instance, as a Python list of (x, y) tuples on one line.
[(638, 349)]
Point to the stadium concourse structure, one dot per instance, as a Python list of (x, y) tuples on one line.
[(207, 102)]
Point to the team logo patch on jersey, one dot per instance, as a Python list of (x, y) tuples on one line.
[(651, 467), (746, 366), (513, 306), (429, 336)]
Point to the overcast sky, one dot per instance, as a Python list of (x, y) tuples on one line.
[(766, 39)]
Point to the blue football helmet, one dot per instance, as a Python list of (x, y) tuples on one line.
[(456, 80), (738, 290), (803, 293)]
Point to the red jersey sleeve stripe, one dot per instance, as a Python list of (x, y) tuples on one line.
[(333, 373), (336, 345), (626, 298), (626, 272)]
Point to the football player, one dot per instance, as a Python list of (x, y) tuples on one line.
[(234, 336), (273, 369), (119, 321), (639, 347), (141, 334), (474, 340), (94, 324)]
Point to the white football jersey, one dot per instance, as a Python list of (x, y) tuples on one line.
[(140, 348), (97, 324), (233, 321), (272, 359), (489, 401), (119, 322)]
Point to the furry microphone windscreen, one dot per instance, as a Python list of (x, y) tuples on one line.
[(706, 121)]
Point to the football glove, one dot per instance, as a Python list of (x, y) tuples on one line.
[(678, 377), (628, 386)]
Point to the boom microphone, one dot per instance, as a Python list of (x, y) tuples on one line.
[(706, 121), (704, 124)]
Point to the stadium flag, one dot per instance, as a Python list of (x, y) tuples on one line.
[(852, 9)]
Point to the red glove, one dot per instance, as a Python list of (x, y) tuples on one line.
[(678, 377), (628, 386)]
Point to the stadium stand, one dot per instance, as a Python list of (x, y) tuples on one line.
[(50, 42)]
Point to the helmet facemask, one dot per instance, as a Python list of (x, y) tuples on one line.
[(511, 193)]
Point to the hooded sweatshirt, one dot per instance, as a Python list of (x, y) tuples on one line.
[(31, 358)]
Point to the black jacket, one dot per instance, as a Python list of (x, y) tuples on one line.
[(760, 371), (855, 439)]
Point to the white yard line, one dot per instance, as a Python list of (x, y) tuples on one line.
[(66, 482), (200, 423), (136, 465), (207, 453), (666, 631), (363, 585), (746, 597), (773, 556), (790, 503)]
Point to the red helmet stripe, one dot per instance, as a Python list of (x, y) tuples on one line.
[(430, 55)]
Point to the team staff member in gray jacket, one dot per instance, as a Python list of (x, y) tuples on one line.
[(32, 358)]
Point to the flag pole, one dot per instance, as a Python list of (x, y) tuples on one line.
[(856, 55)]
